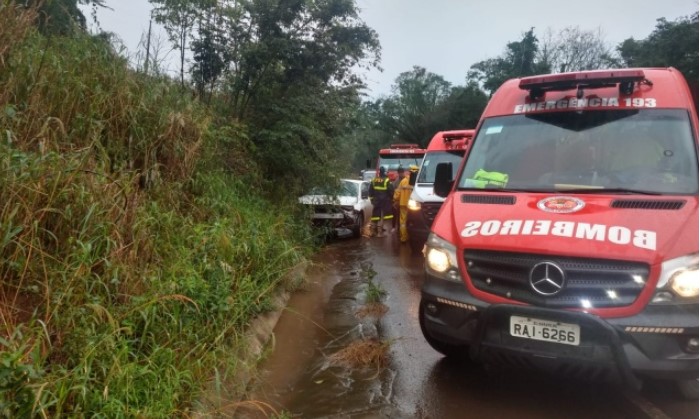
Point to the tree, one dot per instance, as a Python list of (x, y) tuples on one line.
[(178, 18), (209, 48), (416, 97), (62, 17), (462, 108), (519, 59), (283, 43), (289, 75), (574, 49), (421, 104), (153, 52), (672, 44), (365, 134)]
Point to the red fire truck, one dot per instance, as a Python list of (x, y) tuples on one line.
[(568, 241), (399, 155)]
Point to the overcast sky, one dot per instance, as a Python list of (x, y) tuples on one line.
[(448, 36)]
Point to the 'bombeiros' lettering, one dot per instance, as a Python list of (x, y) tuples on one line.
[(644, 239)]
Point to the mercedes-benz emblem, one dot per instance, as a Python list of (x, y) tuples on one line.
[(547, 278)]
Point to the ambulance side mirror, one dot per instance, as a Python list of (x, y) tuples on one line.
[(443, 179), (412, 178)]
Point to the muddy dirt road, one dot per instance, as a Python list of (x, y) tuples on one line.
[(300, 378)]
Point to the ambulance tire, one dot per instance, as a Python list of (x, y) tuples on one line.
[(448, 350), (688, 389)]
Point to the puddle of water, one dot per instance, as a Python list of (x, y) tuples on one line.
[(300, 380)]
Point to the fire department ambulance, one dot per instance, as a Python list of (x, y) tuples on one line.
[(399, 155), (423, 205), (569, 238)]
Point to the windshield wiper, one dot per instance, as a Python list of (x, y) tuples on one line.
[(626, 191), (508, 190)]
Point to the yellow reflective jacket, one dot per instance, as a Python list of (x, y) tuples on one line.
[(403, 192)]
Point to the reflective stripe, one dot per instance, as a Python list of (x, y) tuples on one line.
[(382, 185)]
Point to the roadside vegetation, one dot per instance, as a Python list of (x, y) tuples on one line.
[(141, 228), (374, 295), (371, 352)]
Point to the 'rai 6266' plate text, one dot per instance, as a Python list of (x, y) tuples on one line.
[(545, 330)]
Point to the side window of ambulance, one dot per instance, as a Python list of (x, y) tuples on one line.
[(426, 171)]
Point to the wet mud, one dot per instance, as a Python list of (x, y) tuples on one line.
[(321, 320)]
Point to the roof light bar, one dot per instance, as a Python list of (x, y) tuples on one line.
[(404, 145), (537, 85), (456, 136), (572, 80)]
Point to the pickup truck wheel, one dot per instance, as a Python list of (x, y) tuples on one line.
[(449, 350), (688, 388), (359, 223)]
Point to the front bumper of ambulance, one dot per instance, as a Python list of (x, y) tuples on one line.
[(419, 219), (659, 342)]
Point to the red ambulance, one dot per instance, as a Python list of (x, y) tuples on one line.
[(568, 241), (399, 155), (423, 205)]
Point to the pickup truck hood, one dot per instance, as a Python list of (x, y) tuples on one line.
[(626, 227), (328, 200)]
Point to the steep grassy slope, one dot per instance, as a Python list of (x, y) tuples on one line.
[(131, 258)]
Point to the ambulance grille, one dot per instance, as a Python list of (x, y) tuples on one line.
[(488, 199), (647, 204), (590, 283), (430, 210)]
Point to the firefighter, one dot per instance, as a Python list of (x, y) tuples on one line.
[(395, 207), (401, 196), (381, 192)]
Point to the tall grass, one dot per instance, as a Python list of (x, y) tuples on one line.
[(131, 255)]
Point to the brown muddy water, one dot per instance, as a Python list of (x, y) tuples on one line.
[(320, 320)]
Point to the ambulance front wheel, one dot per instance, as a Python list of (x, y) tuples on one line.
[(688, 389)]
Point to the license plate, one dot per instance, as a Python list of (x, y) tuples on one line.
[(545, 330)]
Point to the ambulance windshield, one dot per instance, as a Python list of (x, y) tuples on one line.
[(646, 151), (431, 160), (394, 161)]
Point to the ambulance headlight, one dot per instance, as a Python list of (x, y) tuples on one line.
[(679, 277), (413, 205), (441, 258), (685, 283)]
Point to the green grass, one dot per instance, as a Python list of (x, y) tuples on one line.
[(133, 253), (374, 293)]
